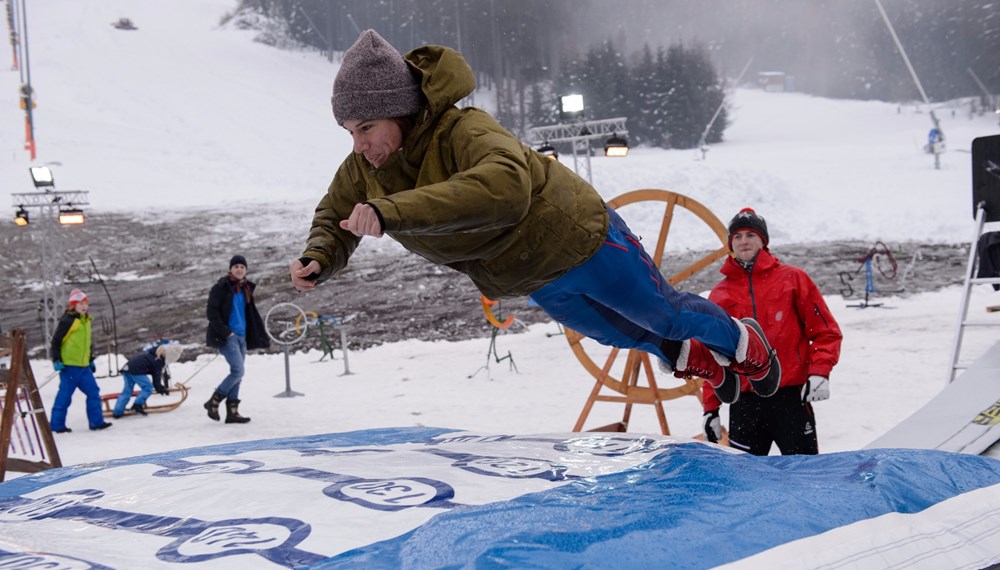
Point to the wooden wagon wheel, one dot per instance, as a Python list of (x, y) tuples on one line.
[(624, 379)]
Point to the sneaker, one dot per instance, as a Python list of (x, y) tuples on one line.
[(760, 362), (697, 360), (105, 425), (64, 430), (139, 409)]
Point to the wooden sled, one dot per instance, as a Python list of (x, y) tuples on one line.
[(108, 400)]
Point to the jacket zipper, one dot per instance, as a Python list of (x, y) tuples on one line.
[(753, 300), (820, 315)]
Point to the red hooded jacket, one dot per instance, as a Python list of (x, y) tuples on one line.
[(790, 309)]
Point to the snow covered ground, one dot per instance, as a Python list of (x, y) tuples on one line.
[(182, 114)]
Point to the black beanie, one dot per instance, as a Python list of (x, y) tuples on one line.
[(747, 219), (237, 260)]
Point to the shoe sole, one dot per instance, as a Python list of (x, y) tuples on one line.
[(765, 387), (729, 391)]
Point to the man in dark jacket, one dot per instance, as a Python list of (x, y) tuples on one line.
[(234, 326), (456, 188), (796, 319)]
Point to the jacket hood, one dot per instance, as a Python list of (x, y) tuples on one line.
[(445, 77)]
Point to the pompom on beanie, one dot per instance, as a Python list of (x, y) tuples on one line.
[(747, 219), (374, 82)]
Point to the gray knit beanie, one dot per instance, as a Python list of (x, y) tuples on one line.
[(374, 82)]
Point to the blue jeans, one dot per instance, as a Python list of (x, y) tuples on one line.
[(145, 389), (235, 353), (619, 298), (71, 378)]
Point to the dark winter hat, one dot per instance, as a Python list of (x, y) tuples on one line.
[(374, 82), (237, 260), (747, 219)]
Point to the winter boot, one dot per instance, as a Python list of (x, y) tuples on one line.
[(233, 413), (756, 360), (728, 390), (104, 425), (139, 409), (212, 405)]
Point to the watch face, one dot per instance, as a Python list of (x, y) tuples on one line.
[(986, 176)]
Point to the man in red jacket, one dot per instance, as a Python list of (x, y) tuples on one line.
[(791, 310)]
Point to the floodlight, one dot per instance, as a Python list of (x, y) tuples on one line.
[(548, 151), (571, 106), (616, 146), (41, 176), (71, 216), (21, 217)]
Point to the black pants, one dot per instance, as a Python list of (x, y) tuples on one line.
[(755, 423)]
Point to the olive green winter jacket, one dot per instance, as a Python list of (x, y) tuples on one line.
[(465, 193)]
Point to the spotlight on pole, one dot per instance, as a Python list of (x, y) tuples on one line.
[(41, 176), (571, 107), (71, 216), (548, 151), (616, 146), (21, 217)]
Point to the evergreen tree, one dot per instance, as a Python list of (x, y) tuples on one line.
[(694, 94), (646, 99)]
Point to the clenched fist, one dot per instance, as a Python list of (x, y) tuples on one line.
[(363, 222)]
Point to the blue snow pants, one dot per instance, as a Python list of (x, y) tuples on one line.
[(145, 389), (619, 298), (71, 378)]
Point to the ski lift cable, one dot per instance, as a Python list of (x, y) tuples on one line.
[(704, 134), (902, 51)]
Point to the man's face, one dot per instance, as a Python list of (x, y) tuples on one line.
[(746, 244), (376, 139), (238, 271)]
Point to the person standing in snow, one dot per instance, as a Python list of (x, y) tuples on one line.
[(137, 372), (794, 316), (73, 357), (234, 326), (454, 187)]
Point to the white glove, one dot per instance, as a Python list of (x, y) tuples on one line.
[(712, 425), (816, 389)]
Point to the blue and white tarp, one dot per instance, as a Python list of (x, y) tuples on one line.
[(437, 498)]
